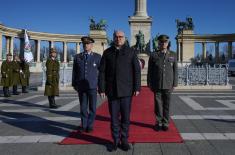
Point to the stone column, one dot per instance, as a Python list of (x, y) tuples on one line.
[(11, 45), (0, 46), (38, 47), (51, 44), (204, 50), (178, 51), (78, 47), (65, 52), (217, 52), (140, 22), (140, 8), (7, 45), (230, 50)]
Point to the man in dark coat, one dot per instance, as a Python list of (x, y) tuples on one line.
[(162, 78), (52, 78), (7, 75), (84, 81), (119, 79)]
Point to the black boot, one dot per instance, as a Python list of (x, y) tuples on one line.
[(15, 90), (24, 90), (52, 102), (5, 92), (8, 92)]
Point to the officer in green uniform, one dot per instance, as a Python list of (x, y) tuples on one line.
[(52, 78), (16, 73), (24, 75), (7, 74), (162, 78)]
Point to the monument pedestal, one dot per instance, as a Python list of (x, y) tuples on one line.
[(144, 71)]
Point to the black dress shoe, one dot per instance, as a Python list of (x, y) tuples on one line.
[(16, 93), (165, 128), (114, 147), (125, 146), (88, 130), (53, 106), (81, 129), (157, 127)]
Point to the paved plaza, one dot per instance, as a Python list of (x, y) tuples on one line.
[(205, 120)]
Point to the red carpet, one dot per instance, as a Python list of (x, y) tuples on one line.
[(141, 128)]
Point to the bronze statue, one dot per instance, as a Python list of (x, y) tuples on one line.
[(155, 43), (140, 44), (102, 25), (187, 25)]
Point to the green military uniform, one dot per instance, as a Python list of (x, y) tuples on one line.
[(7, 77), (52, 81), (24, 75), (162, 78)]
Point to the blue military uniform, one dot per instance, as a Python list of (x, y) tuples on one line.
[(84, 81)]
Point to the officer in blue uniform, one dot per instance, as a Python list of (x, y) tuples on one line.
[(84, 81)]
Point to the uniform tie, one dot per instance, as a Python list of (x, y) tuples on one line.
[(86, 56)]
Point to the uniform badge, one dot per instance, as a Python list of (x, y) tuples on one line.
[(94, 64)]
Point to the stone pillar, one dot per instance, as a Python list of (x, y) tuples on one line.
[(78, 47), (140, 22), (178, 51), (65, 52), (140, 8), (7, 45), (0, 46), (217, 52), (204, 50), (51, 45), (11, 45), (230, 50), (38, 47)]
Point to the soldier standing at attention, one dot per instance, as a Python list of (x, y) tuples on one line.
[(52, 78), (24, 75), (162, 78), (16, 73), (84, 81), (7, 72)]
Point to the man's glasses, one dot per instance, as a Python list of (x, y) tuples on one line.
[(119, 36)]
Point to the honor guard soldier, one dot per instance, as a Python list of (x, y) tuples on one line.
[(16, 73), (85, 81), (7, 75), (52, 78), (24, 75), (162, 78)]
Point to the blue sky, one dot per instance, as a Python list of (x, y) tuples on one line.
[(72, 16)]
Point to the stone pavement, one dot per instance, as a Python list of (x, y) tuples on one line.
[(205, 120)]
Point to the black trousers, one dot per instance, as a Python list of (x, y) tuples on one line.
[(162, 100), (120, 127)]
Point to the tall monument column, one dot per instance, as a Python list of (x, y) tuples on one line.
[(140, 22)]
